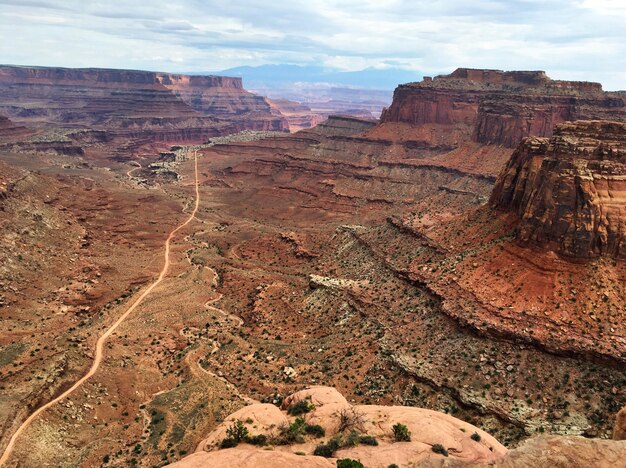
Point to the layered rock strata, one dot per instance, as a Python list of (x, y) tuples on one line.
[(497, 107), (569, 191), (141, 105)]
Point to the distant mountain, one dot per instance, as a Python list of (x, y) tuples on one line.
[(279, 76)]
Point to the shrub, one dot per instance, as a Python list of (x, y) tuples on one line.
[(228, 443), (260, 439), (292, 433), (349, 463), (237, 431), (393, 465), (300, 407), (352, 440), (438, 448), (401, 433), (476, 436), (350, 419), (315, 430), (328, 450), (368, 440)]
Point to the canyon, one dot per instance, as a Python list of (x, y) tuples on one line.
[(463, 255), (128, 110)]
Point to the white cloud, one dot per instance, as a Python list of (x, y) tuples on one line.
[(582, 39)]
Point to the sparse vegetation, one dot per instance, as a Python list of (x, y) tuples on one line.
[(440, 449), (401, 433), (350, 419), (349, 463), (368, 440), (235, 434), (315, 430), (328, 449), (300, 407)]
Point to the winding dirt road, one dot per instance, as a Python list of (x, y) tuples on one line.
[(129, 173), (103, 338)]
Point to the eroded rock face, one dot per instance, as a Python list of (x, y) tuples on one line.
[(496, 107), (224, 97), (562, 452), (619, 430), (570, 190), (131, 104)]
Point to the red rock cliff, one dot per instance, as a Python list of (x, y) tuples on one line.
[(569, 191), (497, 107), (219, 96), (135, 104)]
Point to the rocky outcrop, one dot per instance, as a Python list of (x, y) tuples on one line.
[(552, 451), (343, 125), (9, 131), (569, 191), (299, 116), (224, 97), (328, 410), (140, 105), (497, 107), (619, 430)]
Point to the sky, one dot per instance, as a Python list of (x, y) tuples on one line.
[(570, 39)]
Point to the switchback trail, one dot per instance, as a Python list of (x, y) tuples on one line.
[(103, 338), (128, 173)]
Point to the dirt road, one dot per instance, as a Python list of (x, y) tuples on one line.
[(103, 338)]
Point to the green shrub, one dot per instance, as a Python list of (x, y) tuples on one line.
[(438, 448), (315, 430), (237, 431), (228, 443), (349, 463), (393, 465), (328, 450), (476, 436), (292, 433), (401, 433), (260, 439), (352, 440), (368, 440), (300, 407)]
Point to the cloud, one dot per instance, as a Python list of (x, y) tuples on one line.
[(582, 39)]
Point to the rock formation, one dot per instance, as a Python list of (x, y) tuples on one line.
[(497, 107), (569, 191), (619, 430), (299, 116), (328, 409), (552, 451), (9, 131), (225, 97), (139, 105)]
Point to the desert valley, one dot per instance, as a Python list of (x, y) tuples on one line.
[(184, 280)]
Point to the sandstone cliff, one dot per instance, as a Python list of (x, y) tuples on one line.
[(569, 191), (9, 131), (496, 107), (140, 105), (335, 418), (299, 116)]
